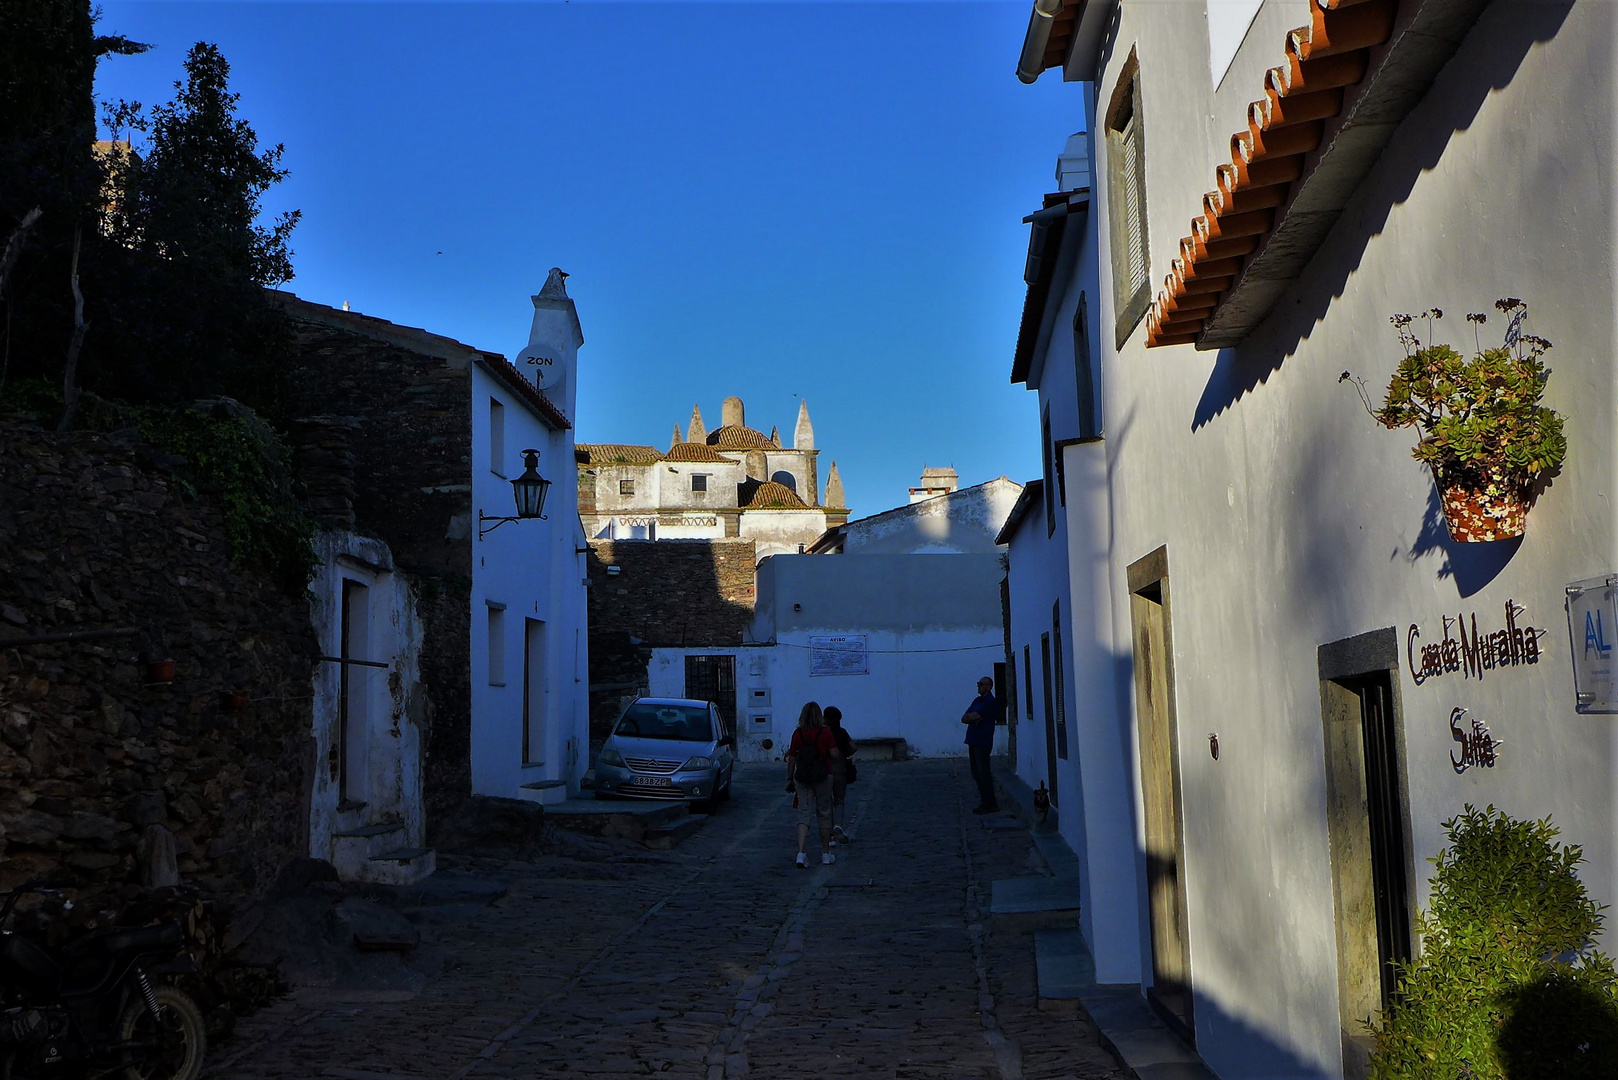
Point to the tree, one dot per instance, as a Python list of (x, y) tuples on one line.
[(191, 316)]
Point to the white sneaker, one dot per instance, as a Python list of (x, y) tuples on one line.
[(834, 843), (803, 861), (827, 858)]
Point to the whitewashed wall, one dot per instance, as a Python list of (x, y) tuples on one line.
[(1291, 520)]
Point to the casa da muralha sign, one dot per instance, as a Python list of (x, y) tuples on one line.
[(1463, 645)]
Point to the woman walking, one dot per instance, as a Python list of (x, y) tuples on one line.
[(842, 774), (809, 761)]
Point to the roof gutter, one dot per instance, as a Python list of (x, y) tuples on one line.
[(1039, 35)]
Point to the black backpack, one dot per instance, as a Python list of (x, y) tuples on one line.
[(811, 768)]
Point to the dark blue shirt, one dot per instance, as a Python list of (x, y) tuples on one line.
[(981, 732)]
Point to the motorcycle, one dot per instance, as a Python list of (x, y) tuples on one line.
[(91, 1008)]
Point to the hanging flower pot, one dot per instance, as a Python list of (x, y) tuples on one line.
[(159, 672), (1484, 432), (1496, 511)]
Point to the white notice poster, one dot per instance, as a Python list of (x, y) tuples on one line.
[(838, 654)]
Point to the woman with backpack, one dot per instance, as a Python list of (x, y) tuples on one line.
[(842, 773), (809, 761)]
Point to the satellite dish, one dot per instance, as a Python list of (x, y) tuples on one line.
[(541, 363)]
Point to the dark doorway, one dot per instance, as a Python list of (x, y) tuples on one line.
[(1050, 713), (1368, 832), (713, 678), (1160, 790), (1000, 689)]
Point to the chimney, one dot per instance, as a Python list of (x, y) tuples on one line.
[(552, 352), (934, 482), (732, 413), (1073, 166)]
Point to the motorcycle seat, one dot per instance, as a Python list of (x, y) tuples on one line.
[(140, 939)]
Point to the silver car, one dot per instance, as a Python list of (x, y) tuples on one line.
[(668, 748)]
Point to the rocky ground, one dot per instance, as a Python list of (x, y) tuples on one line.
[(717, 960)]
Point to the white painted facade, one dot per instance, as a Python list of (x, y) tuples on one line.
[(365, 786), (529, 687), (1291, 522)]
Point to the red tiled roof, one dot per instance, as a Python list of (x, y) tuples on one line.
[(1323, 60), (773, 496), (690, 451), (736, 437), (514, 380), (617, 454)]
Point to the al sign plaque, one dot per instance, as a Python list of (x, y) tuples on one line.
[(1592, 624), (838, 654)]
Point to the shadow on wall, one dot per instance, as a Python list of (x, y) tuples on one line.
[(1487, 61), (1472, 566)]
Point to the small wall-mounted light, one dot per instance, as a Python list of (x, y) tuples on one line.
[(797, 607), (614, 571), (529, 490), (1213, 745)]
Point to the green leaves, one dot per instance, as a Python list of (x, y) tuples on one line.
[(1481, 418), (1489, 997)]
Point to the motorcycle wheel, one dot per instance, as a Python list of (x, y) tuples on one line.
[(182, 1039)]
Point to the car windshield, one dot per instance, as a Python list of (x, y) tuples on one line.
[(644, 720)]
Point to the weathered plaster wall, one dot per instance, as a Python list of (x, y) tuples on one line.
[(95, 533), (960, 523)]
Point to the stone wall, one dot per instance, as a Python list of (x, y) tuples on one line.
[(666, 592), (673, 592), (395, 410), (96, 533)]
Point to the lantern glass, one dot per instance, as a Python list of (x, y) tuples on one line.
[(530, 488)]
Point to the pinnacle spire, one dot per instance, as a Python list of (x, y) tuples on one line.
[(678, 438), (696, 432), (834, 489), (775, 435), (803, 437)]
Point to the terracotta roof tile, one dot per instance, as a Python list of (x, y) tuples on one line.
[(736, 437), (690, 451), (618, 454), (1251, 192), (773, 496)]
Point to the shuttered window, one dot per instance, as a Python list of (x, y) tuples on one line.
[(1126, 203)]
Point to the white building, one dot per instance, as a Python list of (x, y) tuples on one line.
[(893, 619), (1387, 156), (530, 699)]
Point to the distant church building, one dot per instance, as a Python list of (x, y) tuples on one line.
[(734, 481)]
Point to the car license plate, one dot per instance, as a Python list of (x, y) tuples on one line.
[(649, 781)]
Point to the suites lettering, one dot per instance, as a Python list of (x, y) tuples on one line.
[(1477, 745), (1470, 651)]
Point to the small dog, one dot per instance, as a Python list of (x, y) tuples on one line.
[(1042, 802)]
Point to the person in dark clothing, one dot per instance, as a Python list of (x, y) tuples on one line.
[(980, 719)]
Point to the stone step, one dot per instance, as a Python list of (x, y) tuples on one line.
[(665, 837), (1062, 964), (366, 832), (400, 866), (630, 818), (546, 792), (1035, 903)]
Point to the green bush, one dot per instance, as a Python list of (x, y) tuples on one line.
[(1507, 986)]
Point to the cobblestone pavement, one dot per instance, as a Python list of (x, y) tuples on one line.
[(721, 960)]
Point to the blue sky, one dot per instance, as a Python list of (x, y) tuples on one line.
[(775, 200)]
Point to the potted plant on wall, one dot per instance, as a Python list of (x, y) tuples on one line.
[(1484, 432)]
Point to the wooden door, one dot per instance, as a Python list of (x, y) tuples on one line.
[(1160, 802)]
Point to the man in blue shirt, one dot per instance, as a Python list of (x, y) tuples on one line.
[(980, 719)]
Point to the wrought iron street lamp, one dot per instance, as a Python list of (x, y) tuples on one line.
[(529, 489)]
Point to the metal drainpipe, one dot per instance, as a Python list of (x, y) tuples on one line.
[(1039, 33)]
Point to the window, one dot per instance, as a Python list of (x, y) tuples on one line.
[(1126, 202), (699, 482), (626, 487), (497, 645), (1084, 375), (1048, 453), (497, 438)]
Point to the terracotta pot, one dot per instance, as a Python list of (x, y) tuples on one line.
[(159, 671), (1498, 511), (235, 701)]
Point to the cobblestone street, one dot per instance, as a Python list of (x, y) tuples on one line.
[(718, 960)]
